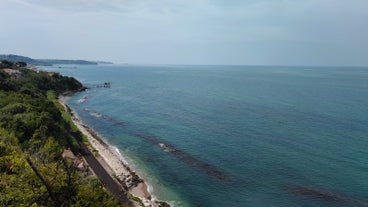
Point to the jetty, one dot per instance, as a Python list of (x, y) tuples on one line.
[(102, 85)]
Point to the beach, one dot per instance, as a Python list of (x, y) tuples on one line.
[(113, 162)]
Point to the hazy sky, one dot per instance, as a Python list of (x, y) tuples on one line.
[(262, 32)]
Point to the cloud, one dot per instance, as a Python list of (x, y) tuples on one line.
[(190, 31)]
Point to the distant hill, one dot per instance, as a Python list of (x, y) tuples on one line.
[(49, 62), (18, 58), (62, 62)]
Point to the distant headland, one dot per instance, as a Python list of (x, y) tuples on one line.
[(49, 62)]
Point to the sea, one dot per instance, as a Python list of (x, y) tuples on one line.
[(253, 136)]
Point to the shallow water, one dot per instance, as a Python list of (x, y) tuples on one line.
[(236, 135)]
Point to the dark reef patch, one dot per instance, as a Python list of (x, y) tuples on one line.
[(178, 153), (325, 195)]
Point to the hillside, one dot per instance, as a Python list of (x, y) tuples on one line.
[(37, 143), (48, 62)]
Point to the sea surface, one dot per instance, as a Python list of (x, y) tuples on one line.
[(235, 135)]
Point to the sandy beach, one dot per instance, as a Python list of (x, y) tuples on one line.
[(113, 161)]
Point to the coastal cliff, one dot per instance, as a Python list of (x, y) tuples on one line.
[(66, 163), (35, 135)]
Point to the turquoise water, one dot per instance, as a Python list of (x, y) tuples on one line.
[(236, 135)]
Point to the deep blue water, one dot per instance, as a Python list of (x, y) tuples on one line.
[(238, 135)]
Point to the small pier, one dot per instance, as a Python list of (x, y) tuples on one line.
[(102, 85)]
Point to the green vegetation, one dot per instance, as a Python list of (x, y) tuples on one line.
[(34, 131), (137, 200)]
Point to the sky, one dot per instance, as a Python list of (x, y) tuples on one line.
[(216, 32)]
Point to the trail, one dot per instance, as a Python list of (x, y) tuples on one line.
[(108, 182)]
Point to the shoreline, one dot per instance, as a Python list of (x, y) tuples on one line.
[(113, 161)]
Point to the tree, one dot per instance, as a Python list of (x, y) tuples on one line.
[(6, 64), (20, 64), (18, 184)]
